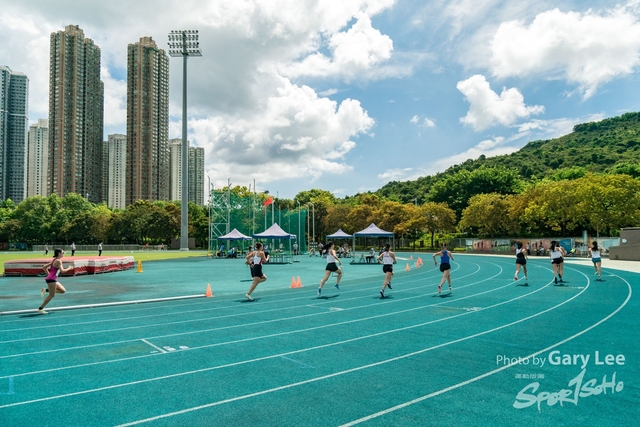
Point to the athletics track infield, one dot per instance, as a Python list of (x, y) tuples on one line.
[(289, 358)]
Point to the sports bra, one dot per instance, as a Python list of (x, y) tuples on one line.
[(257, 260)]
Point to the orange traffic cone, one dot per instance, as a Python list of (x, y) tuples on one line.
[(208, 293), (411, 258), (295, 283), (407, 268), (299, 283)]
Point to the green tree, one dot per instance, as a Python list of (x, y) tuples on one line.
[(438, 217), (610, 202), (457, 189), (487, 214)]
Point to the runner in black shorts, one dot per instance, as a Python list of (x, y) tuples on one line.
[(255, 260), (521, 260), (332, 265), (388, 259), (445, 267)]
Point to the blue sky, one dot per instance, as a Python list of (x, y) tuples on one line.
[(346, 96)]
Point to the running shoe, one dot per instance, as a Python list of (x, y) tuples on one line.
[(555, 279), (381, 294), (249, 297), (319, 291), (439, 288), (515, 278), (450, 288), (526, 278), (337, 286), (389, 285), (42, 311), (42, 292)]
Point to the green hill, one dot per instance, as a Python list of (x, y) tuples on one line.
[(611, 145)]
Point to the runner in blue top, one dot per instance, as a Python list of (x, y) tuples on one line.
[(445, 267)]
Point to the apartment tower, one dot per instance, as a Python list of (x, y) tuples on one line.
[(14, 121), (195, 173), (147, 171), (117, 171), (76, 114)]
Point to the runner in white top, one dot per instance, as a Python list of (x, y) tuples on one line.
[(388, 259), (596, 258), (556, 253), (332, 259), (255, 260)]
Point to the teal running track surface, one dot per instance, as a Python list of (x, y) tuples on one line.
[(491, 352)]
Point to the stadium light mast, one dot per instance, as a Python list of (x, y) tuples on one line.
[(184, 43)]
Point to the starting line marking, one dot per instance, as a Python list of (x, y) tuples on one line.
[(154, 346)]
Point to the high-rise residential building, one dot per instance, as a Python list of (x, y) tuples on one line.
[(147, 122), (117, 171), (196, 175), (14, 121), (38, 158), (175, 169), (195, 172), (76, 115)]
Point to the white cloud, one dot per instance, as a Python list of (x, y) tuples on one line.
[(115, 99), (426, 122), (399, 174), (354, 52), (588, 49), (487, 108), (294, 134)]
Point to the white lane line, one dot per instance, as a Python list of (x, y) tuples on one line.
[(243, 362), (495, 371), (212, 318), (297, 361), (266, 321), (164, 314), (161, 350), (359, 368)]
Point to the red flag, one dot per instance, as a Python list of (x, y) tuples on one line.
[(267, 202)]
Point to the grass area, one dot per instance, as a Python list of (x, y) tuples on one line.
[(137, 255)]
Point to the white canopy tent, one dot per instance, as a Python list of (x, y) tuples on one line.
[(371, 231)]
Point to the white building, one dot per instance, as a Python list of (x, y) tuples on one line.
[(196, 172), (38, 158), (117, 171)]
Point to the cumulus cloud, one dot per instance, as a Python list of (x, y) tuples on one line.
[(588, 49), (354, 52), (295, 134), (487, 108)]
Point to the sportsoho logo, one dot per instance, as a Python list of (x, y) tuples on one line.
[(577, 388)]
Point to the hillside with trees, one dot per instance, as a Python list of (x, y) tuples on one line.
[(609, 146)]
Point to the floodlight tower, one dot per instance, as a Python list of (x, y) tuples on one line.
[(184, 43)]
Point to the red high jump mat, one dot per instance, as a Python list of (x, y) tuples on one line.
[(81, 265)]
